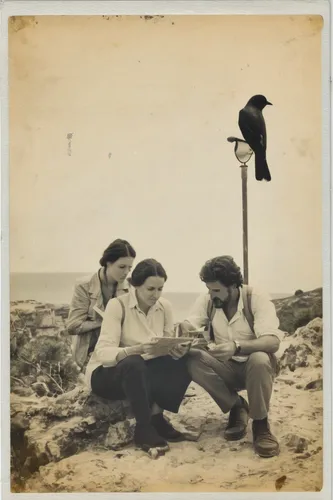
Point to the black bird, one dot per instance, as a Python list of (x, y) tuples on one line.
[(252, 125)]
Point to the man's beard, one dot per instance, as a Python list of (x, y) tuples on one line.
[(219, 303)]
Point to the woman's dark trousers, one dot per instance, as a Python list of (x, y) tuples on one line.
[(162, 380)]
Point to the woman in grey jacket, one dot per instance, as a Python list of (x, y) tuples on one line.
[(93, 293)]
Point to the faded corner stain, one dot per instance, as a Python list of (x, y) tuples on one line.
[(316, 23), (309, 25), (18, 23)]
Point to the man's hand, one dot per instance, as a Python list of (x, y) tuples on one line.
[(223, 351), (199, 343), (187, 330)]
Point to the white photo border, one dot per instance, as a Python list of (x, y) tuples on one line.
[(175, 7)]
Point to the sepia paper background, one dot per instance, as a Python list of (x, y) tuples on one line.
[(118, 128)]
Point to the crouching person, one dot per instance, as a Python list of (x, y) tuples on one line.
[(127, 365), (243, 336)]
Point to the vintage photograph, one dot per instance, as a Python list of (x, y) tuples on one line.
[(166, 315)]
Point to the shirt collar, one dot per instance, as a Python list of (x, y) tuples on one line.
[(95, 282), (123, 286), (133, 301), (94, 285)]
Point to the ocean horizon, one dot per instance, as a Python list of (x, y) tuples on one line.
[(57, 288)]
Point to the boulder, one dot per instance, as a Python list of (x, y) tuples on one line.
[(120, 434), (45, 317), (40, 388), (41, 346), (305, 348), (297, 310), (45, 429)]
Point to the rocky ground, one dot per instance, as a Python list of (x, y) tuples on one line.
[(72, 441)]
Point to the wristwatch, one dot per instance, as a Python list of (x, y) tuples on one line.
[(238, 347)]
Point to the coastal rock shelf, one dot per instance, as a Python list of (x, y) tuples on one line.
[(58, 428)]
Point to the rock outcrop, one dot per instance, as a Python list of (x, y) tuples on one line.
[(53, 415), (48, 429), (305, 348), (299, 309), (40, 350)]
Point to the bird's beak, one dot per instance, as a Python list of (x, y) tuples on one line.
[(269, 103)]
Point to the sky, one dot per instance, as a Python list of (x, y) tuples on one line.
[(148, 105)]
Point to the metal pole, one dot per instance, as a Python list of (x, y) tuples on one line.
[(245, 232)]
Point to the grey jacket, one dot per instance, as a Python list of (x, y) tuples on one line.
[(87, 294)]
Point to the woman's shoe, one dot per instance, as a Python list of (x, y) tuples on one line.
[(165, 429), (146, 437)]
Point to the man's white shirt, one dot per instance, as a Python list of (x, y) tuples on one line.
[(266, 321)]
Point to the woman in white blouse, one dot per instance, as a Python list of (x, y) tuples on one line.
[(127, 365)]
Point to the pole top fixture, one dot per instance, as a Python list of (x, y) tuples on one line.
[(242, 150)]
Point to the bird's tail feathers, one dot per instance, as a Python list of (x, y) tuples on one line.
[(261, 167)]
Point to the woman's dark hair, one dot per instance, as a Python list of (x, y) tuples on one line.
[(222, 269), (145, 269), (117, 249)]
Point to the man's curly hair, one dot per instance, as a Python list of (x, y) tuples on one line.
[(222, 269)]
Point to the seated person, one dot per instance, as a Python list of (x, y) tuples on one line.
[(127, 365), (238, 357), (96, 290)]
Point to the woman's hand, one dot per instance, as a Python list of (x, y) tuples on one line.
[(135, 350), (155, 349), (151, 348)]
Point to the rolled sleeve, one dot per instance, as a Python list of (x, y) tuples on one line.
[(266, 321), (198, 314), (78, 312), (107, 346)]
